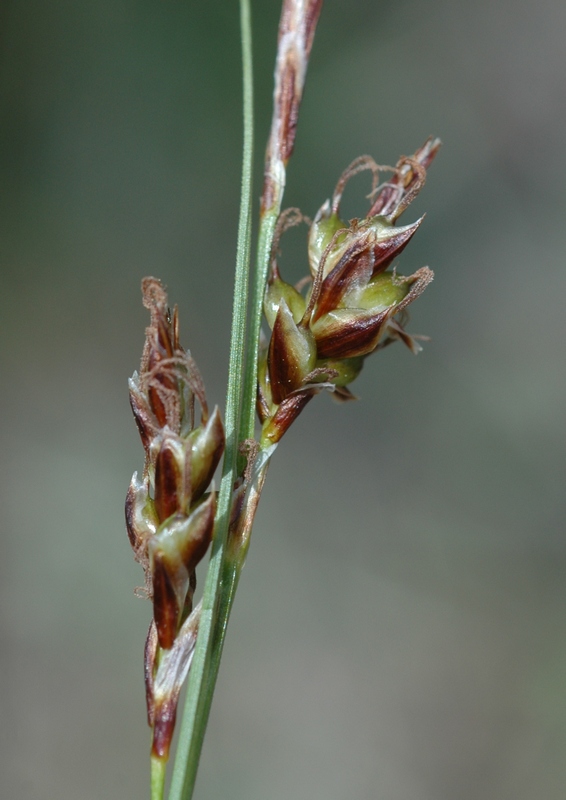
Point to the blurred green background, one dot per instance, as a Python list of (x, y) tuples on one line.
[(400, 630)]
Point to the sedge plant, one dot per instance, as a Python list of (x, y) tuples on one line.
[(351, 304)]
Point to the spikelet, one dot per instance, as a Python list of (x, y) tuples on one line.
[(355, 304), (169, 512)]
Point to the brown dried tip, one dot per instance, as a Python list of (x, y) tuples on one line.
[(296, 32), (396, 195), (169, 378), (158, 353)]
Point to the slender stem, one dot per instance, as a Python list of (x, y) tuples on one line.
[(201, 680), (158, 768)]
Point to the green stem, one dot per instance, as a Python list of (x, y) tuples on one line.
[(158, 769), (201, 677)]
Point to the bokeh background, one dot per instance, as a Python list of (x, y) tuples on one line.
[(400, 630)]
